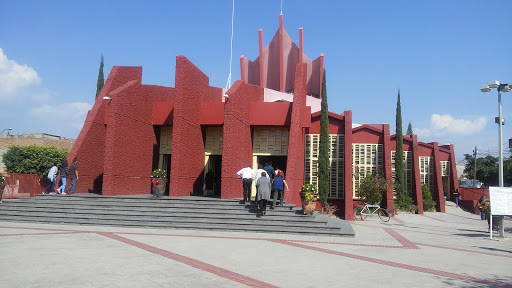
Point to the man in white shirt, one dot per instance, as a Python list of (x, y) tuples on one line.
[(52, 179), (247, 176)]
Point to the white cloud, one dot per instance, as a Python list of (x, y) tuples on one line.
[(64, 116), (14, 76), (446, 124)]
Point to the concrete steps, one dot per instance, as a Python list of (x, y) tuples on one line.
[(169, 212)]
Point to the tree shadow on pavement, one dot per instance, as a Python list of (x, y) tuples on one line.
[(494, 249)]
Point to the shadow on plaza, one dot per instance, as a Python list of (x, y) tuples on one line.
[(503, 281), (494, 249)]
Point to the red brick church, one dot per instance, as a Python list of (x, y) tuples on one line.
[(271, 114)]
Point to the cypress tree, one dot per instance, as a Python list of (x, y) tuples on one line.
[(101, 79), (323, 154), (409, 129), (399, 153)]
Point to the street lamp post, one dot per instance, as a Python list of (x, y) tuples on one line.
[(502, 87), (8, 129)]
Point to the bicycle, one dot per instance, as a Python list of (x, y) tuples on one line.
[(368, 209)]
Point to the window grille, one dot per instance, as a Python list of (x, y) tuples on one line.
[(270, 140), (336, 163), (166, 140), (427, 172), (445, 168), (213, 143), (366, 159)]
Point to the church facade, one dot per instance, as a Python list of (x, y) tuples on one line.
[(271, 115)]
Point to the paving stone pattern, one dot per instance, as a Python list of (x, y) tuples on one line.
[(450, 249)]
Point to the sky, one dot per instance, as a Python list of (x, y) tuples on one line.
[(437, 53)]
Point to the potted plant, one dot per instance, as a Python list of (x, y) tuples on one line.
[(308, 195), (331, 209), (2, 186), (158, 179)]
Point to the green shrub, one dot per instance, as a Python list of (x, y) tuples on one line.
[(33, 159), (429, 205), (402, 201), (372, 188)]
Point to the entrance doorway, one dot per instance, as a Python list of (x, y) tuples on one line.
[(277, 162), (212, 175)]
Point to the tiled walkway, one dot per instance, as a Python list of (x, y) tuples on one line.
[(433, 250)]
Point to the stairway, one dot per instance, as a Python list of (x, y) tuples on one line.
[(169, 212)]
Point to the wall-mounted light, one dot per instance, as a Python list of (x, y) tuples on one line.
[(107, 98)]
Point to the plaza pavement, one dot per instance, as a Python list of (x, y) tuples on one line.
[(433, 250)]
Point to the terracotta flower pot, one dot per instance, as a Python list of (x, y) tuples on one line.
[(308, 206)]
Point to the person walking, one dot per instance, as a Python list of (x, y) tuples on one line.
[(64, 173), (263, 186), (482, 213), (52, 178), (73, 176), (258, 175), (269, 169), (456, 195), (247, 176), (279, 184)]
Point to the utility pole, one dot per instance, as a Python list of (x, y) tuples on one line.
[(474, 178)]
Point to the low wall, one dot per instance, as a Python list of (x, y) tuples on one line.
[(21, 185), (469, 198)]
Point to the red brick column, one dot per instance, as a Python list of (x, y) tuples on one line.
[(349, 194), (438, 180), (390, 204), (237, 137), (454, 182), (295, 162), (187, 160), (416, 174), (130, 139)]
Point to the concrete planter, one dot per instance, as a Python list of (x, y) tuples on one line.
[(158, 187)]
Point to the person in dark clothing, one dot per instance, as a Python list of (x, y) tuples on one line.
[(73, 176), (482, 213), (64, 173), (209, 182), (279, 184), (270, 170)]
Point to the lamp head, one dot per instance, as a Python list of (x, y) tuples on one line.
[(493, 84), (506, 88), (226, 96), (485, 88), (107, 98)]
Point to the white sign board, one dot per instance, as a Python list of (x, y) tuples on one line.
[(501, 200)]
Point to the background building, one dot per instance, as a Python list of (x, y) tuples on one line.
[(39, 139)]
